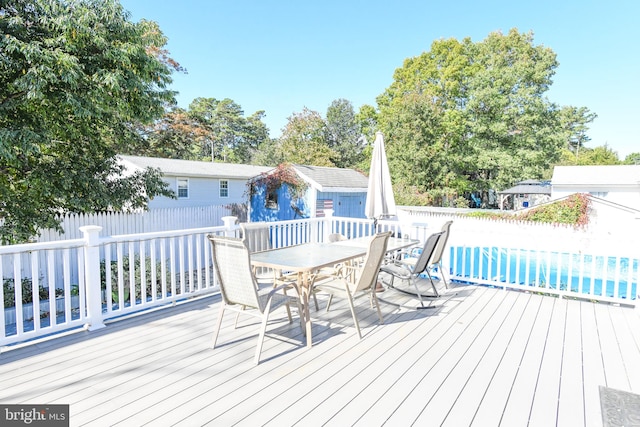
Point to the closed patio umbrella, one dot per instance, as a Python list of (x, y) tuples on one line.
[(380, 201)]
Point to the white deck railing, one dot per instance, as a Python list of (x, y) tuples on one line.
[(85, 282)]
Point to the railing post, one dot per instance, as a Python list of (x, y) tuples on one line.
[(230, 224), (326, 229), (92, 276)]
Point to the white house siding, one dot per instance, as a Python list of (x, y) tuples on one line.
[(202, 192), (617, 184), (204, 180), (612, 194)]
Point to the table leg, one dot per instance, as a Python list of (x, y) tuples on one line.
[(306, 299)]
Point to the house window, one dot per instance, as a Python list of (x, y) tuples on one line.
[(224, 188), (601, 194), (183, 188), (272, 200)]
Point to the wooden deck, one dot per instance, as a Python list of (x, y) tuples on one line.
[(484, 357)]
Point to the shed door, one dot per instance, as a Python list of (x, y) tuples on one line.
[(350, 206)]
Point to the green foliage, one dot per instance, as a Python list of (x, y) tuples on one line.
[(75, 78), (632, 159), (574, 210), (304, 140), (601, 155), (343, 134), (126, 268), (9, 292), (226, 135), (573, 122), (411, 196), (471, 117)]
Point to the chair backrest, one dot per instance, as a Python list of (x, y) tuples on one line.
[(372, 261), (232, 265), (256, 236), (437, 253), (427, 252)]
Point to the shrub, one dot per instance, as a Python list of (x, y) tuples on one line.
[(573, 210), (9, 292), (137, 277)]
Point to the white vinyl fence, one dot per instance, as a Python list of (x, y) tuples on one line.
[(87, 281), (114, 223)]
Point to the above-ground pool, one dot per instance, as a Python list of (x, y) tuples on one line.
[(584, 274)]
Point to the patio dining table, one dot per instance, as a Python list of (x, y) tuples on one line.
[(304, 260)]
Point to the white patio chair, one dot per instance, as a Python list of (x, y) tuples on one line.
[(239, 289), (410, 268), (353, 281), (256, 237)]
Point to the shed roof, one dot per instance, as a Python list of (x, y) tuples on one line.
[(333, 179), (622, 175), (529, 186), (192, 168), (527, 189)]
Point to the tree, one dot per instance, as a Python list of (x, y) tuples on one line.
[(75, 76), (632, 159), (174, 136), (343, 135), (573, 122), (304, 140), (228, 136), (367, 122), (602, 155), (471, 117)]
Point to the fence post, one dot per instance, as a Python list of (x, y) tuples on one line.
[(92, 276), (230, 224)]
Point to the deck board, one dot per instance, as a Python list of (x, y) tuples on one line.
[(474, 388), (544, 410), (483, 356), (571, 381), (492, 406), (521, 398), (592, 364)]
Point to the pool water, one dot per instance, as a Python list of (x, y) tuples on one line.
[(585, 274)]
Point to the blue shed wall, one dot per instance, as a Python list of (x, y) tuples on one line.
[(345, 204), (349, 205), (284, 211)]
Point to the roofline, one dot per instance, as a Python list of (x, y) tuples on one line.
[(344, 189)]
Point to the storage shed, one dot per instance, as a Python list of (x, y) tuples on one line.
[(524, 194), (297, 191)]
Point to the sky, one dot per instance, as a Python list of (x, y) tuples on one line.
[(282, 56)]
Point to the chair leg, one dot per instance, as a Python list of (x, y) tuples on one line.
[(433, 285), (441, 269), (353, 313), (235, 324), (263, 329), (329, 302), (415, 285), (375, 300), (218, 324)]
